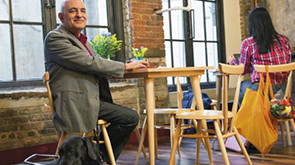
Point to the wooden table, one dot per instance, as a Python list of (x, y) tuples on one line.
[(149, 74)]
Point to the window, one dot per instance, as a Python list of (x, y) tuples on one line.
[(21, 40), (194, 38), (24, 25)]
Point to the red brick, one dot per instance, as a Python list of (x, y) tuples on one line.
[(8, 128), (40, 117), (30, 110), (3, 121), (8, 113), (32, 126), (142, 11), (138, 22), (136, 16), (152, 23), (146, 17), (17, 120)]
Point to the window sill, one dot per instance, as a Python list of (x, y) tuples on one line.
[(41, 91), (18, 92)]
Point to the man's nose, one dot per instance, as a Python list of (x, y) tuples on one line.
[(79, 13)]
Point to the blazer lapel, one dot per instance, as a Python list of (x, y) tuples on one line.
[(70, 35), (89, 46)]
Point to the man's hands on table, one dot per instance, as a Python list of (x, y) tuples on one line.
[(135, 65)]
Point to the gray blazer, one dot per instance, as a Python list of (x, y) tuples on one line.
[(74, 82)]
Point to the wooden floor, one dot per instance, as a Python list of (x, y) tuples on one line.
[(279, 155)]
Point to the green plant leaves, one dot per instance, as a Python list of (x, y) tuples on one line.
[(106, 45), (139, 53)]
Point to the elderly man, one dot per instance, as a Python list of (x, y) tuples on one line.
[(78, 80)]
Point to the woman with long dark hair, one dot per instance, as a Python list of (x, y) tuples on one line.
[(264, 46)]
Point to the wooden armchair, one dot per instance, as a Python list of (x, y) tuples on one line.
[(221, 132)]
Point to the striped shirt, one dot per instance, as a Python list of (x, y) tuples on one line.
[(280, 54)]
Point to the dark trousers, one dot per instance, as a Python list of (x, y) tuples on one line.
[(123, 121)]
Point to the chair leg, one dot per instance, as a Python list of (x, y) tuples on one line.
[(174, 145), (143, 133), (198, 150), (172, 133), (221, 142), (237, 136), (293, 124), (156, 143), (181, 133), (288, 132), (62, 137), (283, 132), (179, 143), (207, 141), (180, 138), (137, 132), (108, 144)]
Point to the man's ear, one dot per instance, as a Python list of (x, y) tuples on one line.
[(61, 17)]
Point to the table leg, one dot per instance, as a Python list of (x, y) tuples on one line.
[(195, 81), (150, 106)]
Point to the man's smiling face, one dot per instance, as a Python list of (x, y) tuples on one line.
[(74, 16)]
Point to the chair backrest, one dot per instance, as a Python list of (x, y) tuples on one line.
[(279, 68), (227, 70), (46, 79)]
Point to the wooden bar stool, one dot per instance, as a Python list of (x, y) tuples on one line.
[(220, 131), (63, 135)]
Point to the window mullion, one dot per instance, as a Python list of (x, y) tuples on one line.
[(117, 23), (12, 42), (205, 35), (189, 56), (171, 39), (220, 31), (46, 17)]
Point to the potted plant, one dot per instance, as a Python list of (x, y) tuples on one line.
[(106, 45), (139, 53)]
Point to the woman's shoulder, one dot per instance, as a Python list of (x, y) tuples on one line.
[(282, 37), (248, 41)]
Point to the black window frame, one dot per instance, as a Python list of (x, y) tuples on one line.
[(188, 40)]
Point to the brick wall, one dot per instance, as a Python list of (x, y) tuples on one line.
[(146, 26), (25, 120)]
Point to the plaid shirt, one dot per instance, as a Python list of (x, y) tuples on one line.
[(280, 54)]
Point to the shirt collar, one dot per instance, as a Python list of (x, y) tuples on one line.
[(82, 38)]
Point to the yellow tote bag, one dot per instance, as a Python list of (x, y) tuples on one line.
[(254, 120)]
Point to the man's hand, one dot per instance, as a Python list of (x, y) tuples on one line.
[(135, 64)]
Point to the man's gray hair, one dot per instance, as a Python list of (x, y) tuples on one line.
[(63, 5)]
